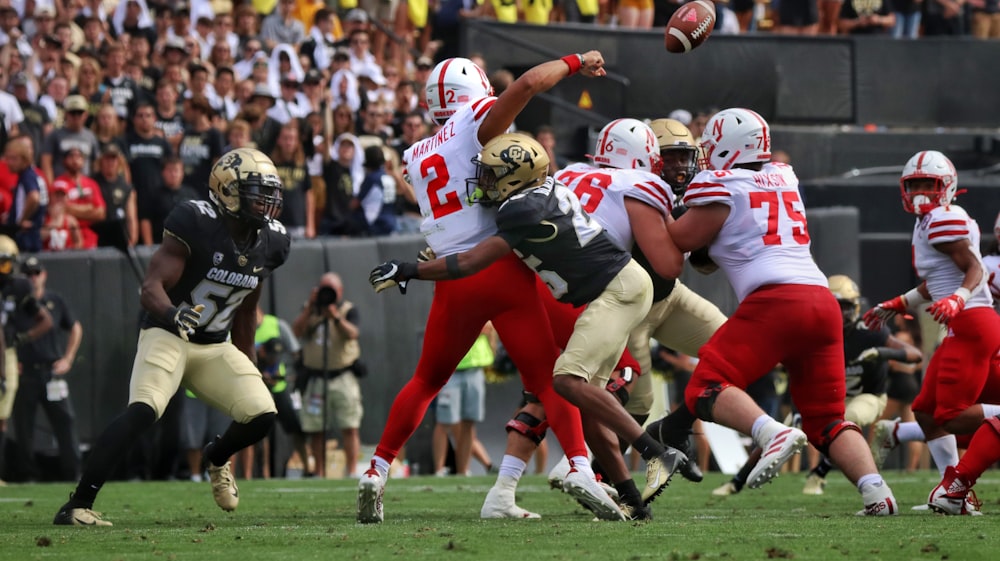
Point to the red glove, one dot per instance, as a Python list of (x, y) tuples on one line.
[(876, 317), (947, 308)]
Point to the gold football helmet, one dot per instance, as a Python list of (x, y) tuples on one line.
[(507, 164), (244, 184), (679, 153), (847, 294), (8, 255)]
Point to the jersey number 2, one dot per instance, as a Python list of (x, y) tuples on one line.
[(451, 203), (760, 199)]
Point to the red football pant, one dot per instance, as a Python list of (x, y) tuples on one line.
[(505, 294), (799, 326)]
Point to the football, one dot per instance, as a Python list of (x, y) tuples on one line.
[(690, 26)]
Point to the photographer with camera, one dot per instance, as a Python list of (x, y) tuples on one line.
[(327, 326)]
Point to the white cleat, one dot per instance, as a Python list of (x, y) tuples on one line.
[(884, 440), (814, 485), (371, 487), (558, 473), (726, 489), (586, 490), (500, 503), (782, 446), (878, 501), (954, 496)]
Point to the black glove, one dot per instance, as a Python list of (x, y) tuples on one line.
[(392, 273), (20, 338), (186, 319)]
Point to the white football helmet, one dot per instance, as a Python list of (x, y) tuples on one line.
[(628, 144), (453, 83), (735, 136), (929, 180)]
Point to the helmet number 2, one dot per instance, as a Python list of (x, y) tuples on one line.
[(769, 199), (435, 163)]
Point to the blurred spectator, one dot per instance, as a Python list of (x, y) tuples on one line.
[(171, 192), (252, 52), (84, 198), (336, 214), (943, 17), (198, 84), (461, 404), (45, 363), (321, 44), (122, 91), (635, 14), (375, 205), (281, 27), (374, 123), (546, 136), (864, 17), (146, 150), (225, 103), (121, 227), (37, 123), (343, 120), (298, 212), (312, 87), (223, 34), (407, 209), (55, 96), (264, 128), (238, 135), (292, 104), (132, 16), (108, 128), (985, 18), (61, 231), (202, 143), (10, 116), (28, 198), (200, 424), (344, 89), (168, 119), (908, 14), (797, 17)]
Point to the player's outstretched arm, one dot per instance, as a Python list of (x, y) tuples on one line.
[(453, 266), (536, 80)]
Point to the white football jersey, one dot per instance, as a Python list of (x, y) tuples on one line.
[(602, 193), (943, 277), (438, 167), (764, 240), (992, 264)]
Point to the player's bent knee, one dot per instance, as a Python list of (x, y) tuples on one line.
[(528, 425), (245, 410), (830, 433), (705, 401)]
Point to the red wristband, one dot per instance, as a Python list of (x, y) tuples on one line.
[(574, 62)]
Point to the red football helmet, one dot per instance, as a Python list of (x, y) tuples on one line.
[(929, 180)]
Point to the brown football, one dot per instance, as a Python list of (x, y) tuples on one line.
[(690, 26)]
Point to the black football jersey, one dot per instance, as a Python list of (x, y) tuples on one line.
[(19, 306), (866, 377), (218, 275), (568, 249)]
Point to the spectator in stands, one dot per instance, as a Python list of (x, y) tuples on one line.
[(72, 135), (864, 17), (37, 123), (908, 14), (202, 143), (238, 135), (796, 17), (292, 104), (546, 136), (55, 96), (374, 123), (943, 17), (252, 52), (107, 128), (363, 61), (120, 228), (145, 150), (281, 27), (171, 192), (84, 199), (985, 18), (225, 102), (343, 120), (635, 14), (375, 205), (264, 128), (298, 212), (168, 119), (313, 91), (336, 218), (321, 44), (223, 34), (61, 231), (122, 90), (26, 211), (198, 84)]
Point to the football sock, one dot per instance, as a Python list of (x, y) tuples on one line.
[(981, 454), (679, 421), (823, 467), (582, 465), (764, 427), (990, 410), (740, 479), (869, 479), (110, 447), (944, 450), (237, 437), (648, 447), (628, 492), (382, 466), (909, 431), (512, 466)]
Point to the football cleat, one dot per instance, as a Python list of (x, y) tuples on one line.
[(884, 439), (659, 470), (954, 495), (814, 485), (558, 473), (726, 489), (585, 489), (500, 504), (680, 441), (878, 500), (371, 488), (69, 515), (782, 446), (224, 490), (637, 513)]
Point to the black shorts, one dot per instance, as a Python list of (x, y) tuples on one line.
[(798, 13), (903, 387)]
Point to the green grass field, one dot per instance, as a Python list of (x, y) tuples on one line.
[(434, 518)]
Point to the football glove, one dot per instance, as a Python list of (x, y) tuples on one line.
[(392, 273), (868, 355), (425, 255), (946, 308), (187, 318), (876, 317), (20, 338)]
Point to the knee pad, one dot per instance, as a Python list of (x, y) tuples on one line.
[(706, 400), (528, 397), (530, 426), (831, 432), (618, 387)]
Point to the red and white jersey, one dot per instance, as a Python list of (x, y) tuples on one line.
[(992, 264), (438, 167), (765, 239), (602, 193), (945, 224)]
